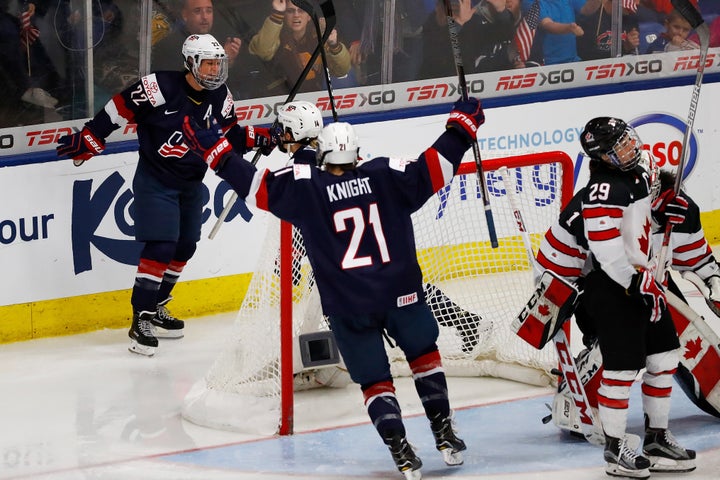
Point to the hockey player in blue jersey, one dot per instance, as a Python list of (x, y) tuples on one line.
[(167, 183), (356, 225)]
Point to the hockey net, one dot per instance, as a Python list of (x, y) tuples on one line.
[(474, 290)]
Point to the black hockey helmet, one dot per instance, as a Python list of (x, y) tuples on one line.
[(612, 141)]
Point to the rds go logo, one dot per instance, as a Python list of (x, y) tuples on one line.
[(664, 140)]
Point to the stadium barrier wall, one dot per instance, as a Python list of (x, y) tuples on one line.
[(66, 241)]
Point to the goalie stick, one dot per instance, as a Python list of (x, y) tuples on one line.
[(329, 11), (690, 13), (562, 344), (455, 43)]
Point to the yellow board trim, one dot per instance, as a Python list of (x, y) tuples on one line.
[(85, 313)]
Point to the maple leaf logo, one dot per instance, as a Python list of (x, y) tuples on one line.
[(693, 348), (644, 240), (544, 310)]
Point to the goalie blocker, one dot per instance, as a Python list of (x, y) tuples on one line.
[(553, 302)]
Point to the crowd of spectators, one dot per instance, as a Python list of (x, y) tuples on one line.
[(44, 72)]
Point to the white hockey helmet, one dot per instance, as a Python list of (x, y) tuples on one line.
[(337, 144), (197, 48), (303, 120)]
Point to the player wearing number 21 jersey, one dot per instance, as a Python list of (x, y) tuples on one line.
[(355, 222)]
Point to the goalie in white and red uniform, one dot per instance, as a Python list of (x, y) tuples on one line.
[(629, 318), (564, 252)]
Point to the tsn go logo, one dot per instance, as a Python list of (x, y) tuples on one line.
[(663, 139)]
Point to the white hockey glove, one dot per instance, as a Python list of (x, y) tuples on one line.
[(651, 291), (710, 289)]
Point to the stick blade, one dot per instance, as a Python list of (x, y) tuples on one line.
[(688, 10)]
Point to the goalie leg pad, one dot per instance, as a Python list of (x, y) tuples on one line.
[(565, 414), (699, 371), (551, 304)]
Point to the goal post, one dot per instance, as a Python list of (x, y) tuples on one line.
[(280, 343)]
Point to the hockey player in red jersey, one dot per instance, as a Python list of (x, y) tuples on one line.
[(629, 315), (167, 184), (356, 225)]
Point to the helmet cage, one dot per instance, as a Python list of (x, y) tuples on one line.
[(626, 151), (197, 48)]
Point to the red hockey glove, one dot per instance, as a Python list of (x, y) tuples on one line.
[(263, 138), (80, 146), (207, 143), (651, 291), (670, 207), (466, 117)]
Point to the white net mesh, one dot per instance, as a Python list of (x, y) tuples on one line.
[(474, 290)]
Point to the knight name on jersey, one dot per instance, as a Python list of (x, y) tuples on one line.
[(348, 189)]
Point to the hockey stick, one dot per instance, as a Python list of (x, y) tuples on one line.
[(455, 43), (560, 340), (327, 7), (690, 13), (328, 11)]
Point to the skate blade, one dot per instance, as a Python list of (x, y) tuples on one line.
[(662, 464), (162, 333), (452, 458), (412, 474), (616, 470), (135, 347)]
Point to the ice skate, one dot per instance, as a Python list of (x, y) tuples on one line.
[(446, 441), (167, 325), (407, 462), (142, 334), (622, 458), (665, 454)]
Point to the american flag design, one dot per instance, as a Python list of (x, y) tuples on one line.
[(525, 33), (28, 32)]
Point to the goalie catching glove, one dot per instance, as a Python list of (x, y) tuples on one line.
[(552, 303), (643, 283), (80, 146), (465, 117)]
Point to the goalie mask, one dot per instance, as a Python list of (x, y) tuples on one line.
[(612, 141), (302, 119), (197, 48), (337, 145)]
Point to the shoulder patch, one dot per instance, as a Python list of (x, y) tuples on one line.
[(228, 105), (301, 171), (399, 164), (152, 90)]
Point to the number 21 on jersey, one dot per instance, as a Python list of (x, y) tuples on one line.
[(356, 221)]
